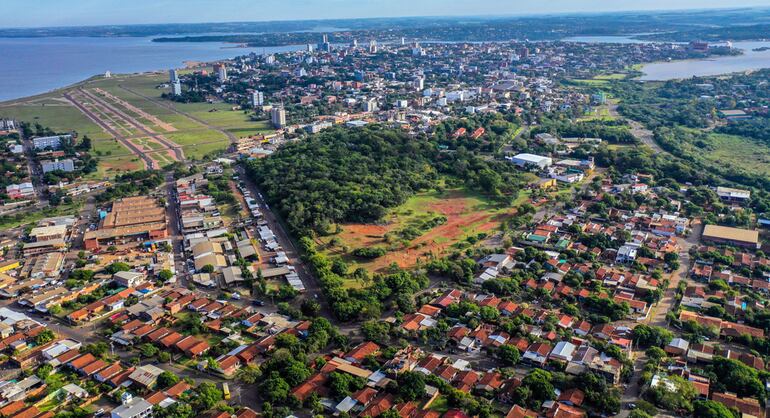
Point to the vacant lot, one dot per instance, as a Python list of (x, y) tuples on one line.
[(465, 215), (739, 152)]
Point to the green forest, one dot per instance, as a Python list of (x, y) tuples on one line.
[(357, 175)]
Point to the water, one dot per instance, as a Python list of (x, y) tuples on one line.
[(30, 66), (750, 60)]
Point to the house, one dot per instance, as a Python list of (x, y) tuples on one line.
[(627, 253), (537, 354), (517, 411), (133, 408), (677, 347), (563, 351), (361, 351)]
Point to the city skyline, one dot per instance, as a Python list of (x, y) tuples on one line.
[(46, 13)]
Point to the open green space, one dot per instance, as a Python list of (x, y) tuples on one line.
[(739, 152)]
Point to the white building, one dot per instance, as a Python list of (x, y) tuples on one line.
[(257, 99), (627, 253), (133, 408), (176, 88), (278, 117), (173, 76), (58, 165), (221, 71), (531, 160), (52, 142), (370, 105)]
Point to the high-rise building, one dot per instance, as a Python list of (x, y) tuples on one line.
[(257, 99), (278, 117), (354, 44), (173, 76), (221, 71), (176, 88), (370, 105), (419, 83), (373, 46), (270, 59)]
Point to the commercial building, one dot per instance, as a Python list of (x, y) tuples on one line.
[(20, 191), (131, 219), (531, 160), (173, 76), (731, 236), (58, 165)]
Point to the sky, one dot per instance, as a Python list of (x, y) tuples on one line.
[(37, 13)]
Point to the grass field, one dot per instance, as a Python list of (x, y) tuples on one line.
[(136, 96), (467, 215), (736, 151)]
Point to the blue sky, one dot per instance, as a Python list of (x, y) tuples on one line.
[(25, 13)]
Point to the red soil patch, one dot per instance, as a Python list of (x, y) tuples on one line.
[(460, 216)]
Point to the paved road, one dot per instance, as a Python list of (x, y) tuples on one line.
[(638, 130), (171, 107), (657, 316), (175, 234), (148, 162), (312, 287), (175, 148)]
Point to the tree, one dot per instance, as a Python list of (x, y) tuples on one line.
[(175, 410), (711, 409), (208, 395), (116, 267), (376, 331), (44, 337), (411, 386), (647, 336), (148, 350), (97, 349), (310, 308), (165, 275), (249, 374), (508, 355), (343, 384), (276, 389), (167, 379), (538, 383), (736, 377), (208, 268)]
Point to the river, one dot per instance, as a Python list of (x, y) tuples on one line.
[(30, 66), (750, 60)]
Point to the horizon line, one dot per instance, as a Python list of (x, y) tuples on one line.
[(484, 16)]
